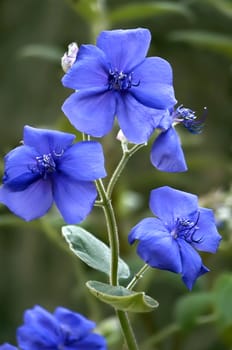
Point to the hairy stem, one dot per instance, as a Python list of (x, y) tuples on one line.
[(114, 245), (127, 154), (112, 231), (137, 276)]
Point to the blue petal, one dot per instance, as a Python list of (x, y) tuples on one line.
[(46, 141), (167, 154), (136, 120), (19, 161), (91, 342), (206, 237), (156, 246), (75, 324), (146, 228), (83, 161), (7, 346), (91, 111), (40, 330), (166, 121), (31, 203), (90, 69), (155, 88), (21, 182), (192, 266), (74, 199), (169, 204), (125, 49)]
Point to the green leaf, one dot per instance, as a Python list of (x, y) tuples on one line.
[(46, 52), (147, 9), (190, 307), (223, 300), (92, 251), (223, 6), (212, 41), (121, 298)]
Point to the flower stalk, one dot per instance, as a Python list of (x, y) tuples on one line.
[(106, 204)]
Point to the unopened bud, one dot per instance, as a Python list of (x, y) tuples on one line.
[(124, 142), (69, 57), (121, 137)]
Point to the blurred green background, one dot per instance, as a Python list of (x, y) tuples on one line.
[(35, 264)]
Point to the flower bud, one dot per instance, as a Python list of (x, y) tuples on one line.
[(69, 57)]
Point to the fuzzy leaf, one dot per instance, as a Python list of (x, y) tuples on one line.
[(147, 9), (45, 52), (91, 250), (212, 41), (121, 298)]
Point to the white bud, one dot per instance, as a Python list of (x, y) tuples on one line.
[(121, 137), (69, 57)]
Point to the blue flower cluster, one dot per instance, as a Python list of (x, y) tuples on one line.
[(64, 329), (114, 78)]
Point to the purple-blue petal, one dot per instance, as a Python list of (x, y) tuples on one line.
[(83, 161), (75, 324), (136, 120), (156, 246), (124, 49), (155, 87), (92, 341), (206, 237), (91, 111), (166, 121), (192, 266), (74, 199), (146, 228), (167, 154), (21, 182), (90, 69), (169, 204), (40, 330), (7, 346), (31, 203), (19, 160), (46, 141)]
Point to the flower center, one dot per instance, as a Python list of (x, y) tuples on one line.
[(186, 229), (188, 118), (45, 165), (120, 81)]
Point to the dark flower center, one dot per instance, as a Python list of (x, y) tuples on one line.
[(120, 81), (42, 167), (188, 118), (186, 229), (45, 164)]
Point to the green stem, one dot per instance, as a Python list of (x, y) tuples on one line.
[(112, 231), (121, 165), (100, 21), (114, 245), (127, 330), (137, 276)]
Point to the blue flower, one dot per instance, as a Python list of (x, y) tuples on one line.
[(7, 346), (166, 153), (64, 329), (49, 167), (115, 78), (170, 240)]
